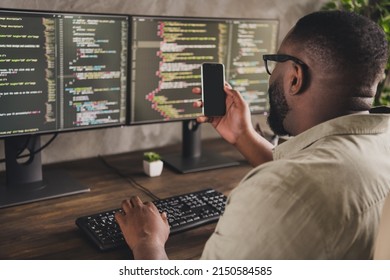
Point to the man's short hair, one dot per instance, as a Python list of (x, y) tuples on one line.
[(348, 44)]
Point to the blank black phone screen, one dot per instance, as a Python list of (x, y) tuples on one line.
[(213, 94)]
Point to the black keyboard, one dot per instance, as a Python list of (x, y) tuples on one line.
[(184, 212)]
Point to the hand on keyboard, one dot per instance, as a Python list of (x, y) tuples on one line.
[(184, 212), (143, 226)]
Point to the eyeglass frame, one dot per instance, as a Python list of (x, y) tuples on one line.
[(280, 58)]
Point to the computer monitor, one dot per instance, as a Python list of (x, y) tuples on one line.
[(166, 56), (58, 72)]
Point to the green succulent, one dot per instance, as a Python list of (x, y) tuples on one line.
[(151, 156)]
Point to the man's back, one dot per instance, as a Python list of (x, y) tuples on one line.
[(320, 199)]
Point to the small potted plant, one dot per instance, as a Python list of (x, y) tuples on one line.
[(153, 165)]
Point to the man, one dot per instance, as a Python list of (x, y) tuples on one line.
[(318, 195)]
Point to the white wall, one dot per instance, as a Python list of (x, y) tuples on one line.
[(76, 145)]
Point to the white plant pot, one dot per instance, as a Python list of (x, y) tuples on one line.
[(154, 168)]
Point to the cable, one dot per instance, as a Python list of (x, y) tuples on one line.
[(24, 146), (33, 152), (43, 147), (134, 183)]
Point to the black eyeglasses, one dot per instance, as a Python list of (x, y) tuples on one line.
[(271, 59)]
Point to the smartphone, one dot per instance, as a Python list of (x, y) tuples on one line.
[(213, 94)]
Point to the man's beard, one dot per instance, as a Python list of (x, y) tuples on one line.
[(278, 108)]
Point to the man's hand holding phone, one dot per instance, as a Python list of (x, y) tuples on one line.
[(236, 127), (237, 117)]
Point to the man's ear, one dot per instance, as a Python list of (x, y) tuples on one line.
[(296, 79)]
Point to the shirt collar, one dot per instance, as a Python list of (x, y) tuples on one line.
[(349, 124)]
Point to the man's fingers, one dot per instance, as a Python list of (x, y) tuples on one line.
[(151, 205), (126, 206), (198, 104), (228, 85), (136, 201), (235, 95), (119, 217), (197, 90), (133, 202), (202, 119), (164, 217)]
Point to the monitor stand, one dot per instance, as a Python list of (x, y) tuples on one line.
[(192, 159), (25, 181)]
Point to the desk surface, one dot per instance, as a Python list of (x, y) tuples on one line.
[(47, 230)]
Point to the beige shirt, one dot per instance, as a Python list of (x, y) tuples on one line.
[(320, 198)]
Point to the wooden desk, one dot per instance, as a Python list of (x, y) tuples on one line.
[(47, 230)]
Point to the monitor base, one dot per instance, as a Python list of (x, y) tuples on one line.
[(206, 161), (56, 183)]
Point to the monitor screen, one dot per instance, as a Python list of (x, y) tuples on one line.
[(61, 71), (167, 53)]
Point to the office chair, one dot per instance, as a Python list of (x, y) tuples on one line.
[(382, 242)]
